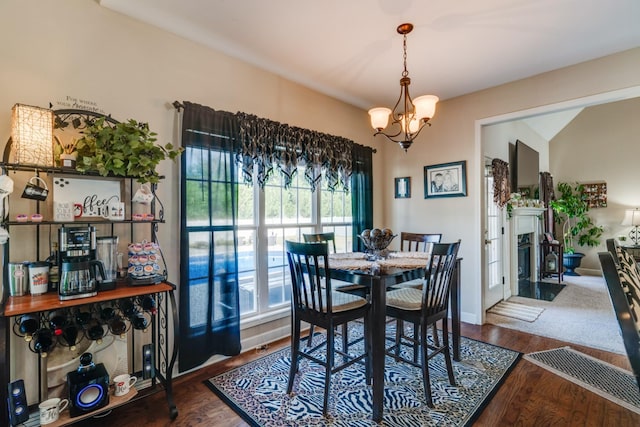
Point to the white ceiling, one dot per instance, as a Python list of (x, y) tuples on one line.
[(349, 49)]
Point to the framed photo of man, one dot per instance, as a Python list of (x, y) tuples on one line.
[(445, 180)]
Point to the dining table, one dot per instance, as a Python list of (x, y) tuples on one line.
[(379, 275)]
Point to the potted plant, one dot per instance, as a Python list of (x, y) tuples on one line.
[(570, 210), (123, 149)]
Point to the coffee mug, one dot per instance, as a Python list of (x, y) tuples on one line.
[(114, 211), (123, 383), (50, 410), (144, 196), (34, 191), (63, 211)]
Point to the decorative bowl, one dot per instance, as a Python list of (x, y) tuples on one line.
[(377, 240)]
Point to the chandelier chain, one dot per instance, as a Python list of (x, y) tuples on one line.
[(405, 73)]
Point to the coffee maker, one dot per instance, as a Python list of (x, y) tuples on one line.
[(78, 264)]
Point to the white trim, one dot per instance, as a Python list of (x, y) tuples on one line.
[(261, 319)]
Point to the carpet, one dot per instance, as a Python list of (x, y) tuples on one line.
[(517, 311), (584, 310), (604, 379), (257, 390)]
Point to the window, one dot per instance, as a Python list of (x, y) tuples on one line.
[(276, 213), (279, 214)]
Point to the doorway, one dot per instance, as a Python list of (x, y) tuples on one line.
[(488, 148)]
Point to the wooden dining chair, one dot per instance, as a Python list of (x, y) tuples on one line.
[(351, 288), (425, 307), (623, 283), (315, 302), (329, 238), (417, 241)]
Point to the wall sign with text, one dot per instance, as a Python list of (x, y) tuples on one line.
[(92, 195)]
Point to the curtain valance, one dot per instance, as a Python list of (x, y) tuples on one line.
[(272, 145)]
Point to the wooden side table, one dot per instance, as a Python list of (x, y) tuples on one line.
[(545, 249)]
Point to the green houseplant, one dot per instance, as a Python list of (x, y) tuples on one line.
[(122, 149), (571, 210)]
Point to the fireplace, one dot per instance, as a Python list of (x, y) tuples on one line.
[(525, 229)]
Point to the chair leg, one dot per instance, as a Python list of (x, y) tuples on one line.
[(328, 368), (295, 349), (310, 336), (345, 340), (426, 380), (434, 331), (416, 337), (399, 332), (447, 352)]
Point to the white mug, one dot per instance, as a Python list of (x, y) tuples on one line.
[(50, 410), (123, 383), (116, 211), (144, 195)]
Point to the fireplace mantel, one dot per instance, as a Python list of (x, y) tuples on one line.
[(527, 211)]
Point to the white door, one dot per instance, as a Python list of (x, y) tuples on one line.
[(494, 281)]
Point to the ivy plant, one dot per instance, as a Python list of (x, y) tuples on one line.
[(123, 149)]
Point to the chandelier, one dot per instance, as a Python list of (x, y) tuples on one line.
[(408, 116)]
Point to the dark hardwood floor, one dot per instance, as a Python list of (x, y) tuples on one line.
[(530, 396)]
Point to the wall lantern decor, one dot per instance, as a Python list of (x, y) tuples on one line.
[(32, 135)]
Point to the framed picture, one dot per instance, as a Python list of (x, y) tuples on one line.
[(403, 188), (445, 180)]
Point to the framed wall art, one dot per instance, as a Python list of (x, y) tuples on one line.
[(445, 180), (403, 187)]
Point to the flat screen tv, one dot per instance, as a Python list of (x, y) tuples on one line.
[(526, 170)]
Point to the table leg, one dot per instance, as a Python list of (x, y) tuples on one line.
[(378, 329)]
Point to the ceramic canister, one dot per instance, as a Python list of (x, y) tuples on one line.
[(38, 277)]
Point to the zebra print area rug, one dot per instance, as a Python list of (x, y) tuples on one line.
[(257, 390)]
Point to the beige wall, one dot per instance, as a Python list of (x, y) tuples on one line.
[(602, 144), (75, 48)]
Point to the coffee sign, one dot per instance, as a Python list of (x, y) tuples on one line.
[(93, 196)]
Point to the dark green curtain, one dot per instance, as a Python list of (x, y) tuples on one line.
[(361, 192), (209, 292)]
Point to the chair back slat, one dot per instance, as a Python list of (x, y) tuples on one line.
[(418, 242), (308, 262), (329, 238), (438, 277)]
